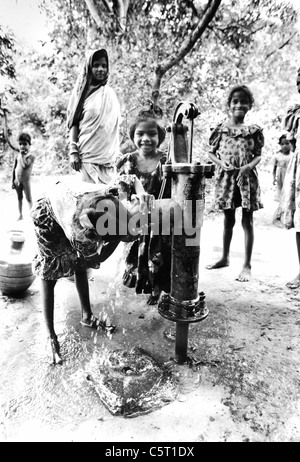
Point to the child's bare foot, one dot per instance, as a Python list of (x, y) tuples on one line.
[(153, 299), (57, 359), (20, 218), (155, 294), (245, 274), (219, 264), (295, 283), (90, 321)]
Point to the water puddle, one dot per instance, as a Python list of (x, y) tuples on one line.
[(37, 397), (56, 396)]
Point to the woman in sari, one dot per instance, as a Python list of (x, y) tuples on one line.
[(93, 119)]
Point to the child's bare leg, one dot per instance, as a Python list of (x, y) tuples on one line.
[(295, 283), (154, 297), (19, 190), (20, 208), (247, 223), (87, 317), (27, 190), (229, 222), (48, 311), (82, 285)]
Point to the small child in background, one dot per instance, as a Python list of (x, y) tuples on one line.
[(22, 169), (281, 160)]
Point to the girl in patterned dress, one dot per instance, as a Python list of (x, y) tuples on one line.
[(236, 150), (148, 260)]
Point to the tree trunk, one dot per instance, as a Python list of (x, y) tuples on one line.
[(120, 8)]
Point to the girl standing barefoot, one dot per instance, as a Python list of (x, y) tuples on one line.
[(236, 150)]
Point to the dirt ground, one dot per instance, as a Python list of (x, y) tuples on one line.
[(243, 381)]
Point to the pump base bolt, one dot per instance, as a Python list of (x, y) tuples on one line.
[(183, 311)]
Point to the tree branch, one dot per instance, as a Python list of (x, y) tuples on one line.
[(121, 7), (190, 42), (281, 46), (6, 130), (94, 10), (209, 13), (190, 4), (119, 10), (107, 6)]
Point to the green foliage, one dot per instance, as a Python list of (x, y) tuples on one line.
[(254, 42), (7, 67)]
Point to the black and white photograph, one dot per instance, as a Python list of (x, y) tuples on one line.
[(150, 224)]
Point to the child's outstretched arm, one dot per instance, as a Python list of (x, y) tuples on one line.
[(138, 187), (274, 172), (14, 173), (146, 200)]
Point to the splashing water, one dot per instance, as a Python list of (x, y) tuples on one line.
[(50, 397)]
